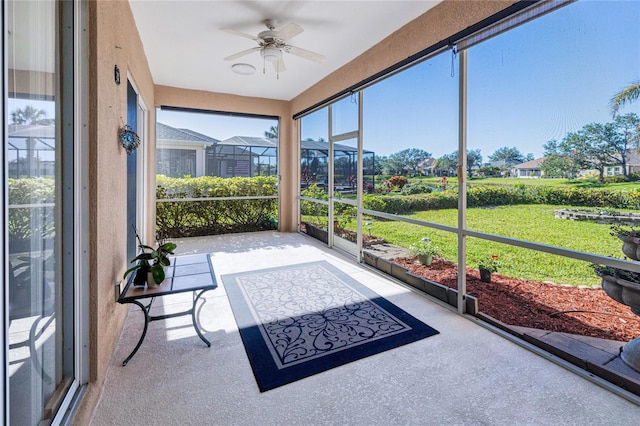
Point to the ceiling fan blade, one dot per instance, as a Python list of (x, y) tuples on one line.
[(289, 31), (304, 53), (239, 33), (279, 66), (240, 54)]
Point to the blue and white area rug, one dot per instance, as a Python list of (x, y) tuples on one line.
[(300, 320)]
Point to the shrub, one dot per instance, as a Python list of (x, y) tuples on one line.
[(398, 181), (371, 202), (634, 177), (209, 217), (416, 188), (38, 218), (615, 179)]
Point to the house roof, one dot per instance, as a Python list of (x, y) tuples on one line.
[(168, 133), (533, 164), (250, 141), (633, 157)]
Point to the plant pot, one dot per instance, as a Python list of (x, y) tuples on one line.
[(140, 278), (425, 259), (150, 281), (485, 275), (630, 248)]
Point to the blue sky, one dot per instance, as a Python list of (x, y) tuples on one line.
[(525, 87), (215, 125)]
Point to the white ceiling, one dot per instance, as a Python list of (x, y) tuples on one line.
[(185, 47)]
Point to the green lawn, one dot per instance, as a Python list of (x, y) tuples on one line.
[(526, 222), (534, 223)]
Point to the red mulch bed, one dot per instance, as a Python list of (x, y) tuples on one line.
[(538, 305)]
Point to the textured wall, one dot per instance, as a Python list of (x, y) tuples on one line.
[(113, 40)]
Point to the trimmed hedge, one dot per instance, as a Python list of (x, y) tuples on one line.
[(482, 196), (25, 222), (175, 219)]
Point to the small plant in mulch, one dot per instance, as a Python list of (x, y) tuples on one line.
[(490, 263)]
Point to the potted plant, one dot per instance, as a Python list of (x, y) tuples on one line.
[(487, 266), (154, 261), (630, 238), (426, 250)]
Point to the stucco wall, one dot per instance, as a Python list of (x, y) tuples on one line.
[(113, 40)]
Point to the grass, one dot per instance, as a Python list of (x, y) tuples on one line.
[(527, 222)]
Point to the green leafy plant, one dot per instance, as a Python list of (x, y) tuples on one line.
[(425, 248), (155, 260), (625, 232), (603, 270), (490, 263)]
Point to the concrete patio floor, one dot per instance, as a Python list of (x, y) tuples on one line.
[(467, 374)]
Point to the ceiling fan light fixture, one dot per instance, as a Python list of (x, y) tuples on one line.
[(271, 54), (243, 69)]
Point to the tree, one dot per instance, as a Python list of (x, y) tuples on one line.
[(507, 154), (474, 159), (557, 162), (407, 160), (392, 165), (595, 146), (272, 133), (31, 115), (626, 135), (591, 147), (449, 162), (627, 95), (371, 164)]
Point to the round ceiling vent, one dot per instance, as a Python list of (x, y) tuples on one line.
[(243, 69)]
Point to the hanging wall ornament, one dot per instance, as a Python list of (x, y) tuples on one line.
[(128, 138)]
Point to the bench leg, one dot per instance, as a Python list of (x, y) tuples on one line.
[(195, 322), (145, 311)]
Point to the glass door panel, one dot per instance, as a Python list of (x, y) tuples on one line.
[(36, 359), (345, 190)]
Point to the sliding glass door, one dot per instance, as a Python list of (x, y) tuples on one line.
[(39, 211)]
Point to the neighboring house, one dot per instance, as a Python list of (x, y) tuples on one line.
[(530, 169), (505, 166), (616, 169), (633, 164), (426, 167), (181, 152)]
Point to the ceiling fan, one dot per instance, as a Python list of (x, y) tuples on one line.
[(272, 42)]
